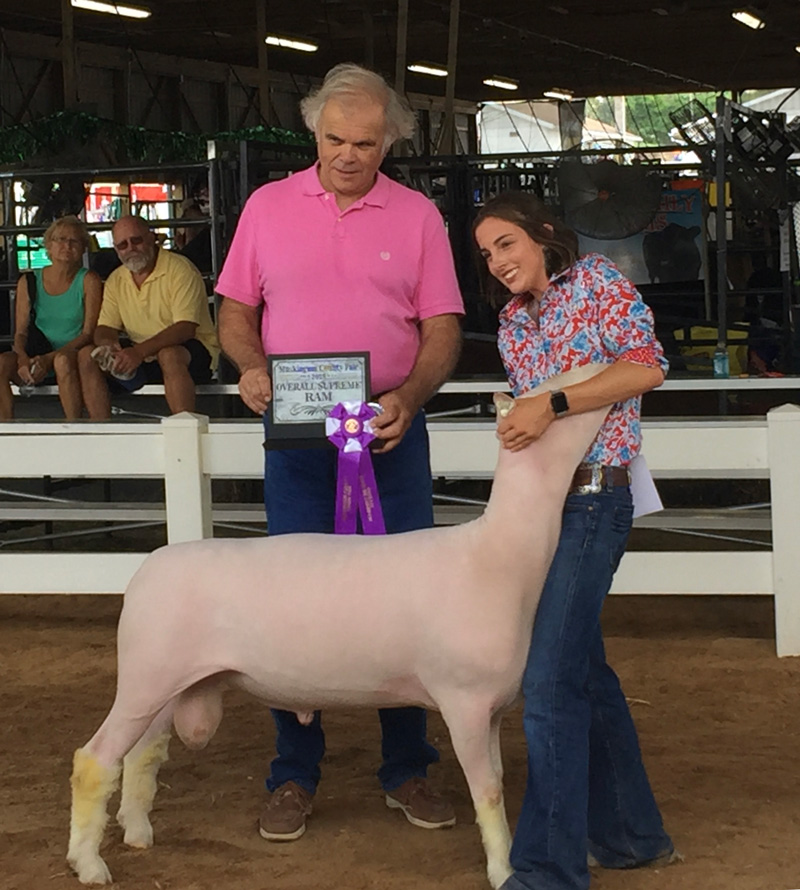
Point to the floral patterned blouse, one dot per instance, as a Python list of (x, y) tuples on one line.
[(590, 312)]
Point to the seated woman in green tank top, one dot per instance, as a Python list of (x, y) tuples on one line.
[(55, 315)]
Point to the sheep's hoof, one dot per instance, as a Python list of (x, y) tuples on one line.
[(140, 837), (498, 873), (91, 870), (138, 830)]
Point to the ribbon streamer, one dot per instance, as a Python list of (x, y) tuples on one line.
[(347, 427)]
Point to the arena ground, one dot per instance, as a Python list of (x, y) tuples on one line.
[(717, 712)]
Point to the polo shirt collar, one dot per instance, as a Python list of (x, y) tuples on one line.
[(309, 181), (160, 267), (377, 196)]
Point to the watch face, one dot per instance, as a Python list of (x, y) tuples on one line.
[(559, 403)]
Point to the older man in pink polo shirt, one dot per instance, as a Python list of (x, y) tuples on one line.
[(339, 258)]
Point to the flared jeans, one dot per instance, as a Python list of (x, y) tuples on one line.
[(587, 789)]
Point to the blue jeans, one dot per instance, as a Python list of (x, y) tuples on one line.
[(299, 496), (587, 789)]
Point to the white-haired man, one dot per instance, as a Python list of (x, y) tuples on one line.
[(335, 259)]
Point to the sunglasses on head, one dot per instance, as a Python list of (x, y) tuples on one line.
[(133, 241)]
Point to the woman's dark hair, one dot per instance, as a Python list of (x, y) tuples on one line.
[(530, 213)]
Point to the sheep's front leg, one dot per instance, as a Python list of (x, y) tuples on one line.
[(92, 786), (494, 827), (475, 734), (139, 781)]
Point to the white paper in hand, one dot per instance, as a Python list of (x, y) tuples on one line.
[(643, 490)]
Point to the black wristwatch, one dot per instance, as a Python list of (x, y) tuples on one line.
[(559, 403)]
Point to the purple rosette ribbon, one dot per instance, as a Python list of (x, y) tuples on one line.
[(347, 427)]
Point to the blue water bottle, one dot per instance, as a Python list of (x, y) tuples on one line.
[(721, 364)]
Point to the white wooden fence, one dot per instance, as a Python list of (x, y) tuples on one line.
[(188, 450)]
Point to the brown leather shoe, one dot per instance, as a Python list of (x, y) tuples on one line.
[(423, 806), (284, 816)]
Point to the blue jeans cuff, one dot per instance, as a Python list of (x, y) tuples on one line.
[(521, 880), (638, 859)]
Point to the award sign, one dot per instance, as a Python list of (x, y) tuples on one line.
[(304, 390)]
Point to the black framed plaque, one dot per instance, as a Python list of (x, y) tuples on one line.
[(304, 389)]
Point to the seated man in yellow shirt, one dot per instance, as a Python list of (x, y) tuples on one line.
[(159, 300)]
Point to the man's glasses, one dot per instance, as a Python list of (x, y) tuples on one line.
[(63, 239), (133, 241)]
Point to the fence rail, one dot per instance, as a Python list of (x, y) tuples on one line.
[(187, 451), (671, 384)]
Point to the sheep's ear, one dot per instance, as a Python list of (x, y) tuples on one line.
[(504, 404)]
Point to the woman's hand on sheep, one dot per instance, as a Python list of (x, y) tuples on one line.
[(526, 423)]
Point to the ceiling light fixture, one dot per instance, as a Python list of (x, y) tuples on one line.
[(303, 46), (503, 83), (797, 48), (748, 18), (130, 12), (426, 68), (564, 95)]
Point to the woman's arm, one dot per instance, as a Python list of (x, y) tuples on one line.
[(616, 383), (619, 381), (92, 299), (22, 317)]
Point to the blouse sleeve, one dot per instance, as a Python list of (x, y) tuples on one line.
[(626, 320)]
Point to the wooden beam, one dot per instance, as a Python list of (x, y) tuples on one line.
[(21, 44), (263, 62), (250, 93), (223, 95), (447, 143), (44, 70), (154, 91), (69, 57), (121, 81), (3, 50), (184, 104), (369, 35), (402, 47)]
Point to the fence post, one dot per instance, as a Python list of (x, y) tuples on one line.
[(187, 488), (783, 446)]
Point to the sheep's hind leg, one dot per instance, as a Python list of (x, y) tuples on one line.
[(139, 781), (92, 786), (95, 775)]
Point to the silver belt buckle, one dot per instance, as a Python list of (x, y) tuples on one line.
[(595, 486)]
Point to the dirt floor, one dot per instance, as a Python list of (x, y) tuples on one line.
[(717, 712)]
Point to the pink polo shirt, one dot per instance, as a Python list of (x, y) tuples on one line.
[(357, 280)]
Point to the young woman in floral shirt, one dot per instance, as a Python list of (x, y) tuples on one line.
[(587, 799)]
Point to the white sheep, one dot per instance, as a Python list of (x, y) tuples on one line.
[(439, 618)]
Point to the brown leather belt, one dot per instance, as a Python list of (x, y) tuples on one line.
[(591, 478)]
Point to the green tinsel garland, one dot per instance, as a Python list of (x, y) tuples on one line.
[(45, 139)]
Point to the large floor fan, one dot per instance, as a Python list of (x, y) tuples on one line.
[(607, 201)]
